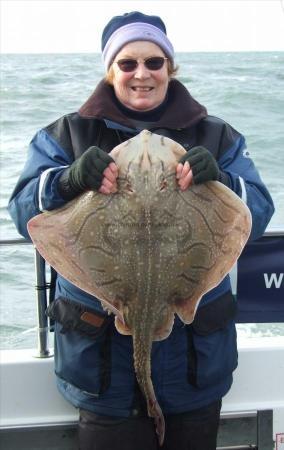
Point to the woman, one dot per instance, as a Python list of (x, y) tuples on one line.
[(192, 368)]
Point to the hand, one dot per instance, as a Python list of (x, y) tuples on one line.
[(109, 184), (184, 175), (94, 170), (199, 166)]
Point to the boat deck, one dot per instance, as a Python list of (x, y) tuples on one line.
[(253, 431)]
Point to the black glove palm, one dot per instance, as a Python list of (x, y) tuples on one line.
[(85, 173), (203, 165)]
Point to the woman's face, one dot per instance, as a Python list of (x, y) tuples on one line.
[(142, 89)]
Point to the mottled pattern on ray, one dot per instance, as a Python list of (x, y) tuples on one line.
[(150, 250)]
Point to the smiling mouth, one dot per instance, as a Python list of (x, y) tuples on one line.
[(142, 88)]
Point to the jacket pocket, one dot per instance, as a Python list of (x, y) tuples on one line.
[(82, 345), (75, 317), (212, 342)]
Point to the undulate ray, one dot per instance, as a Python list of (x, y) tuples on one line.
[(148, 251)]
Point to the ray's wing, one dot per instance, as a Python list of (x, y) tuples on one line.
[(70, 240), (216, 224)]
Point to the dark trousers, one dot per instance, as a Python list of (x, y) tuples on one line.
[(194, 430)]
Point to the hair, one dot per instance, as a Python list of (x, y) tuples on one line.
[(172, 71)]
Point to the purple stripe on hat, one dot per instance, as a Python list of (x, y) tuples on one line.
[(137, 31)]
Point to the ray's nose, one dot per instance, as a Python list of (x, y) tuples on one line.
[(145, 161)]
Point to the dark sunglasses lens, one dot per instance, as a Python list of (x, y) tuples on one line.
[(155, 63), (127, 65)]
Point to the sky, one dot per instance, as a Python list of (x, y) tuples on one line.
[(73, 26)]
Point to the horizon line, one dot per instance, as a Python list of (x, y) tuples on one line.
[(176, 52)]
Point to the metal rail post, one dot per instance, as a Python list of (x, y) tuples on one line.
[(41, 286)]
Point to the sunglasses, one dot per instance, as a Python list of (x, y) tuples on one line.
[(152, 63)]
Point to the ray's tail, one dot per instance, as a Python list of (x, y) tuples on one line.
[(142, 365)]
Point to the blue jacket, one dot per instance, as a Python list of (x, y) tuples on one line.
[(94, 365)]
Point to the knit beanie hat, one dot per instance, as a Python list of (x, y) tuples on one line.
[(134, 26)]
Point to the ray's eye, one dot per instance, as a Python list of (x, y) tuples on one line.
[(129, 187), (163, 185)]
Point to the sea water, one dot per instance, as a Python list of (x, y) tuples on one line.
[(244, 89)]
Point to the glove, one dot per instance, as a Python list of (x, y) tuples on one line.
[(203, 165), (86, 173)]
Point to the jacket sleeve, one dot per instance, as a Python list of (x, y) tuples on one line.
[(36, 189), (244, 179)]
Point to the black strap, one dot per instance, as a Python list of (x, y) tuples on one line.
[(191, 357), (105, 355)]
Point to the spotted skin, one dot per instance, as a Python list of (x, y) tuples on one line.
[(148, 251)]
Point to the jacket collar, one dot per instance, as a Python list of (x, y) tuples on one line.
[(183, 110)]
